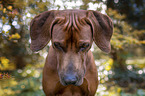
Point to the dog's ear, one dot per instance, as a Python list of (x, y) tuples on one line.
[(40, 30), (102, 30)]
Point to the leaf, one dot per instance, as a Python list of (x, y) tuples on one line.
[(9, 7)]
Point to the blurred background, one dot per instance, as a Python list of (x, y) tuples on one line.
[(121, 73)]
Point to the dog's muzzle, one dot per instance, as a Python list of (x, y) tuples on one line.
[(70, 79)]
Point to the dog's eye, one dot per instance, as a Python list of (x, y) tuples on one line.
[(84, 46), (58, 46)]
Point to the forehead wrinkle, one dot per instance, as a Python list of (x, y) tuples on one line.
[(72, 27), (68, 23), (76, 23), (73, 22)]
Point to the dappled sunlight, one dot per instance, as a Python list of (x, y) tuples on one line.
[(120, 73)]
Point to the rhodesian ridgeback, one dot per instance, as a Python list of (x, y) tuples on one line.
[(70, 69)]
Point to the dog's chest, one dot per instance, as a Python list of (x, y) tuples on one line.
[(71, 91)]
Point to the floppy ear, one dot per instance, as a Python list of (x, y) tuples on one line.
[(40, 30), (102, 30)]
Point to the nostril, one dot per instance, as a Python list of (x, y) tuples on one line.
[(70, 80)]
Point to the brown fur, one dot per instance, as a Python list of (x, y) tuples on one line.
[(72, 33)]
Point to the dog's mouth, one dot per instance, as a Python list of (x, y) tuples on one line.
[(71, 81)]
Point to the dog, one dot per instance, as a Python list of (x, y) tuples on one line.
[(70, 69)]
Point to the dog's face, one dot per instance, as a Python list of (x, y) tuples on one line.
[(72, 33), (71, 48)]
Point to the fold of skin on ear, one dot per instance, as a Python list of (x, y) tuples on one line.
[(102, 28), (40, 30)]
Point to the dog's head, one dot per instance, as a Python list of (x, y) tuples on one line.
[(72, 33)]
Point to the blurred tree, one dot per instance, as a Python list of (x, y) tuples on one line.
[(133, 12), (15, 16), (128, 18), (85, 4), (133, 9), (124, 42), (125, 38)]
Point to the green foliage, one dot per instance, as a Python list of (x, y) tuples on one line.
[(25, 82), (125, 36), (15, 16), (30, 84), (119, 82), (15, 54)]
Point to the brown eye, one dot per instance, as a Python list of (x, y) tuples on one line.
[(58, 46), (84, 46)]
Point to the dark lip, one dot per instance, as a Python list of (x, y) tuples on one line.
[(61, 81), (77, 83)]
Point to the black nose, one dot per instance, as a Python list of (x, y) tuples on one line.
[(70, 79)]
